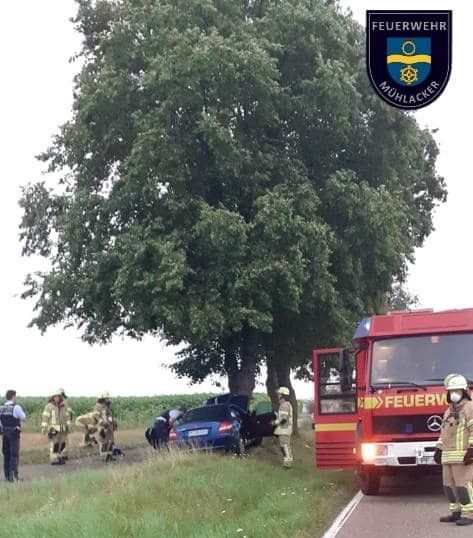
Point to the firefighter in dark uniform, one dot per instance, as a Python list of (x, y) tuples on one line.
[(455, 451), (158, 435), (11, 416)]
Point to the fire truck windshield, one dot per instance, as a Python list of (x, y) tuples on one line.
[(424, 360)]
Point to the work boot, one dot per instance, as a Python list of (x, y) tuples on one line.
[(464, 521), (59, 461), (454, 516), (110, 458)]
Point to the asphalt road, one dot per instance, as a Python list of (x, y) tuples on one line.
[(405, 508)]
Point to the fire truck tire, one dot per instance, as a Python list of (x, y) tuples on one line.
[(369, 481)]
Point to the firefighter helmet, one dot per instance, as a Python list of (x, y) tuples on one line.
[(448, 377), (104, 395), (455, 382), (57, 392), (283, 390)]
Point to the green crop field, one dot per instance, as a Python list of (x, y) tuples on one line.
[(130, 411)]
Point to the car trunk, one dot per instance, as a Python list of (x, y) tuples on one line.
[(239, 400)]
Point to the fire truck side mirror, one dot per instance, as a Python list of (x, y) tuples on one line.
[(345, 370)]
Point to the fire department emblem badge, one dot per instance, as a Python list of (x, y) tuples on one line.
[(408, 55)]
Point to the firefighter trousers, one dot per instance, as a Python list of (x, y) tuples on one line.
[(106, 439), (457, 485), (286, 451), (57, 447)]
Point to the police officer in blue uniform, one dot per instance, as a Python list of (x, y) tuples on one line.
[(11, 416)]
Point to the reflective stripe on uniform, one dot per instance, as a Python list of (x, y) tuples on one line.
[(460, 434), (453, 456)]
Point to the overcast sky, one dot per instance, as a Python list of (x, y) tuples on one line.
[(36, 42)]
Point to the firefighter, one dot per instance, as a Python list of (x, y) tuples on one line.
[(11, 416), (106, 427), (88, 425), (283, 425), (455, 451), (70, 414), (55, 423), (158, 435)]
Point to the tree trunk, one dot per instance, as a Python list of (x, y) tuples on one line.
[(272, 383), (242, 380), (241, 362), (279, 375)]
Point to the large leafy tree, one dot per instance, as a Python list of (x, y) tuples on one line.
[(229, 180)]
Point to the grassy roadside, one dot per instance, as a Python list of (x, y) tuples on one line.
[(181, 495), (35, 446)]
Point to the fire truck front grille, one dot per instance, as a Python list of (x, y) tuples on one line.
[(404, 424)]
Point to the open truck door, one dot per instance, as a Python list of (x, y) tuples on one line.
[(335, 408)]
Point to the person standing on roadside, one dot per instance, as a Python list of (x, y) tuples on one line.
[(283, 425), (56, 424), (106, 427), (11, 416), (70, 414), (455, 451)]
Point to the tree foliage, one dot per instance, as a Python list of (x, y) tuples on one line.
[(229, 180)]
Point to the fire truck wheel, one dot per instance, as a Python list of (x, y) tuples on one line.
[(369, 481)]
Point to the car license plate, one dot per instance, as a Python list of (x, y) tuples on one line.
[(197, 433)]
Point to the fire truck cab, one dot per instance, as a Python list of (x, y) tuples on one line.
[(379, 405)]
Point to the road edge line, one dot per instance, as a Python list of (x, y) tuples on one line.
[(343, 516)]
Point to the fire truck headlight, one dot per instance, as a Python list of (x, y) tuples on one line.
[(369, 451)]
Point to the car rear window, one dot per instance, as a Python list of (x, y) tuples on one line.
[(209, 412)]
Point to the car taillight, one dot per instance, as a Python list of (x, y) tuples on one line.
[(172, 435), (225, 426)]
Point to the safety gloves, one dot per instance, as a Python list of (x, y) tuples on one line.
[(468, 458)]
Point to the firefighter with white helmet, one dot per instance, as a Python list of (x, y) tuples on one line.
[(56, 423), (70, 414), (283, 425), (455, 450), (106, 427)]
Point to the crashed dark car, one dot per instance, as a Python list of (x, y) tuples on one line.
[(223, 423)]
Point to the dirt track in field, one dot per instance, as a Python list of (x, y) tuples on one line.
[(45, 470)]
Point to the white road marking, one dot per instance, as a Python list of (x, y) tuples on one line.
[(343, 516)]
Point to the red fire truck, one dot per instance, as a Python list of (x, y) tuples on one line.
[(379, 405)]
